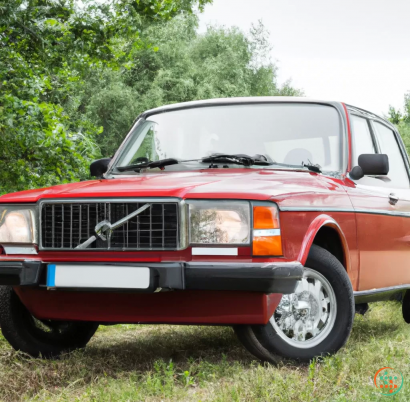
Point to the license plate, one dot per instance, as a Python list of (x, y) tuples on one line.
[(97, 276)]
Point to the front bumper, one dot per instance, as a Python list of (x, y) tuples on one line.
[(272, 277)]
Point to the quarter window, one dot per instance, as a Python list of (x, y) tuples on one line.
[(388, 145)]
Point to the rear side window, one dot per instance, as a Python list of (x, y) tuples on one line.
[(388, 145), (362, 139)]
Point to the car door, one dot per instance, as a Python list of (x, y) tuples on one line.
[(382, 206)]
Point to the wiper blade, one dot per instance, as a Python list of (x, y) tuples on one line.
[(312, 167), (237, 159), (149, 164), (309, 166)]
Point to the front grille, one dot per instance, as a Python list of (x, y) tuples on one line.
[(68, 225)]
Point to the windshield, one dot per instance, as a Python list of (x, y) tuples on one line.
[(285, 133)]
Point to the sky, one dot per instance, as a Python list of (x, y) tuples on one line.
[(354, 51)]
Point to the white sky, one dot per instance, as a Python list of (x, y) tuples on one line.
[(355, 51)]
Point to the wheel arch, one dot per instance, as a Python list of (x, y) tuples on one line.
[(325, 232)]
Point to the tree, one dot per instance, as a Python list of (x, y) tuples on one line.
[(176, 64), (47, 49), (402, 121)]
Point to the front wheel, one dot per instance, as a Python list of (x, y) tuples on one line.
[(45, 338), (315, 320)]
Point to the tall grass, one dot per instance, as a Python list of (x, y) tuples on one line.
[(159, 363)]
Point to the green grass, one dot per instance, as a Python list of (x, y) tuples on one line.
[(158, 363)]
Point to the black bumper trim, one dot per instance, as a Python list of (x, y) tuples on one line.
[(275, 277), (20, 273), (267, 278)]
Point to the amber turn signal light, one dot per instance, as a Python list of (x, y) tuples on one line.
[(265, 218), (267, 245), (267, 240)]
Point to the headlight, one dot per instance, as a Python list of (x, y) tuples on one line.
[(17, 224), (219, 222)]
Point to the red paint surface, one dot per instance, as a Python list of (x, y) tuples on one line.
[(179, 307), (253, 184), (299, 230), (383, 240)]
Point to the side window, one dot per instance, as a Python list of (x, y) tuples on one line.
[(362, 139), (388, 145)]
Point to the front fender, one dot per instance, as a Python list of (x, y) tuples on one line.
[(314, 227)]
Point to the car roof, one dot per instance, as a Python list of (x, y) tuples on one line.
[(370, 115), (256, 99), (233, 101)]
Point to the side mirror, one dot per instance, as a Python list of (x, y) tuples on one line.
[(99, 167), (371, 164)]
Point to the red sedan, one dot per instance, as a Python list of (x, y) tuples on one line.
[(273, 215)]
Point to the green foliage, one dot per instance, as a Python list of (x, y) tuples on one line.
[(47, 49), (175, 64), (38, 148), (402, 121), (70, 69)]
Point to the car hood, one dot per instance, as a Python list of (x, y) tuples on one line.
[(256, 184)]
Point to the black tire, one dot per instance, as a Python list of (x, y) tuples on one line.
[(265, 343), (44, 338), (406, 307), (248, 339)]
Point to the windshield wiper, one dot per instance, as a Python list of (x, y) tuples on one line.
[(310, 166), (314, 168), (148, 164), (238, 159)]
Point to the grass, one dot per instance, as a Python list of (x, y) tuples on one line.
[(159, 363)]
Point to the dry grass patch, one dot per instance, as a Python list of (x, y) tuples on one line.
[(154, 363)]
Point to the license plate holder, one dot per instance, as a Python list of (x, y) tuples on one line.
[(98, 276)]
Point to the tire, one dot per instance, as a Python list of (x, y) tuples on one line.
[(330, 303), (406, 307), (39, 338)]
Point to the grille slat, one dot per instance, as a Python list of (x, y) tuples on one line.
[(62, 226), (67, 225), (52, 225), (80, 223), (71, 225)]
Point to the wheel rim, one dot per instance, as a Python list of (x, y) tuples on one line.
[(305, 318)]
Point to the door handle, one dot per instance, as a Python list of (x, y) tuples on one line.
[(393, 199)]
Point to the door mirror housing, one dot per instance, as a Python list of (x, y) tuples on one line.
[(371, 164), (99, 167), (356, 173)]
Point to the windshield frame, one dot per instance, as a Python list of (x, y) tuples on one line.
[(142, 118)]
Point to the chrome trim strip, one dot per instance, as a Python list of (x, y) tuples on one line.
[(10, 250), (266, 232), (107, 199), (318, 209), (240, 264), (382, 212), (183, 240), (380, 290), (358, 211), (214, 251)]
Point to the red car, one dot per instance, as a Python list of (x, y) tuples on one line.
[(273, 215)]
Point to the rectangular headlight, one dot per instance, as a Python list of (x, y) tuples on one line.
[(219, 222), (18, 224)]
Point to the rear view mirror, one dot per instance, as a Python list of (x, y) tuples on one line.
[(99, 167), (371, 164)]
